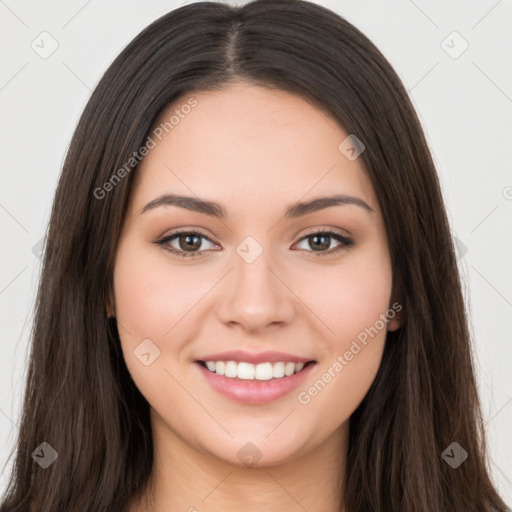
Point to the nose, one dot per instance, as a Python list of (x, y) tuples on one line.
[(255, 297)]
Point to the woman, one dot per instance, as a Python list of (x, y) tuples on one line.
[(250, 298)]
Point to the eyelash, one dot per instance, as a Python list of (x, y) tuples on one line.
[(163, 242)]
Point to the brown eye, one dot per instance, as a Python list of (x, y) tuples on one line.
[(320, 242), (184, 243), (189, 242)]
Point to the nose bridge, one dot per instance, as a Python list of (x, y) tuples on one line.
[(255, 297), (252, 271)]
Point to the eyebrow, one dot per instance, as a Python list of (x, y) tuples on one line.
[(214, 209)]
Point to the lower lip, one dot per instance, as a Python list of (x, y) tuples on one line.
[(255, 391)]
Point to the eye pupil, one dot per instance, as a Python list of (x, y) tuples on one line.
[(322, 245), (187, 238)]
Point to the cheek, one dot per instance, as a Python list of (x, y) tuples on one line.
[(352, 357), (149, 298), (151, 303), (349, 298), (352, 305)]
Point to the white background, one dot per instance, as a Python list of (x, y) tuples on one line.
[(465, 105)]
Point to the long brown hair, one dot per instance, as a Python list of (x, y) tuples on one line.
[(80, 398)]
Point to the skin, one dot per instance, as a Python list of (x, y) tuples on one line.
[(255, 151)]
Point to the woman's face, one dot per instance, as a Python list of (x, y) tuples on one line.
[(257, 280)]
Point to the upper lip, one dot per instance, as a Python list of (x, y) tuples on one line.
[(255, 357)]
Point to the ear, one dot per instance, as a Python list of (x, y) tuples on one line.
[(396, 308)]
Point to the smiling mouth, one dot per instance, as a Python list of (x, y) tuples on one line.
[(251, 372)]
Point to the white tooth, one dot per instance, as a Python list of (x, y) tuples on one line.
[(220, 367), (298, 367), (246, 371), (289, 369), (264, 371), (278, 370), (231, 369)]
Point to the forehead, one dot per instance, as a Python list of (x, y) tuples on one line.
[(249, 143)]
